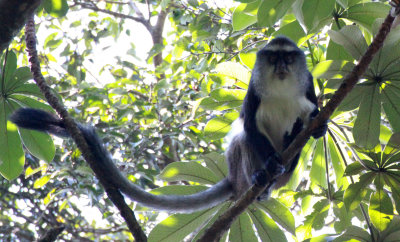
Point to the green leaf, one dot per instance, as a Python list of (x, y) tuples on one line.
[(353, 99), (344, 217), (386, 62), (293, 31), (21, 75), (366, 127), (56, 8), (224, 207), (217, 128), (248, 59), (354, 168), (315, 220), (336, 51), (313, 14), (18, 101), (242, 230), (234, 70), (318, 169), (298, 173), (351, 38), (40, 182), (12, 156), (380, 209), (332, 69), (241, 18), (354, 233), (357, 191), (216, 162), (223, 99), (28, 89), (271, 11), (189, 171), (279, 213), (391, 105), (266, 226), (366, 13), (392, 233), (337, 163), (10, 67), (39, 144), (178, 226)]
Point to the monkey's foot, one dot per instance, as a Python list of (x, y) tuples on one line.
[(320, 131), (273, 169), (273, 165), (261, 178)]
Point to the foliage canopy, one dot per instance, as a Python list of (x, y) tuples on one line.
[(163, 117)]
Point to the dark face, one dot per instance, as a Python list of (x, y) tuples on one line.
[(280, 60)]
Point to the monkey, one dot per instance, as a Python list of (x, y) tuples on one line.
[(279, 102)]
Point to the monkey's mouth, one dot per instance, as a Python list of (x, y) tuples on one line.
[(281, 74)]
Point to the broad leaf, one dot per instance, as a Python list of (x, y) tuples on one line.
[(351, 38), (357, 191), (318, 169), (266, 226), (271, 11), (279, 213), (380, 209), (189, 171), (366, 13), (178, 226), (366, 127), (242, 230)]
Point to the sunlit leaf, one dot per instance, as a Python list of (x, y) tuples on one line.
[(266, 226), (366, 127), (56, 8), (351, 38), (318, 169), (380, 209), (279, 213), (189, 171), (271, 11), (357, 191), (242, 230), (365, 13), (178, 226)]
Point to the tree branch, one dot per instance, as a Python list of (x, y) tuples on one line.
[(94, 7), (72, 128), (222, 224)]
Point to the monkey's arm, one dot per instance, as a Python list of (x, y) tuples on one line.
[(258, 142), (310, 94), (43, 121)]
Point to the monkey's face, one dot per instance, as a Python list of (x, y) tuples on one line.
[(281, 63), (280, 66)]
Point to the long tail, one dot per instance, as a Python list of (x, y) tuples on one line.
[(46, 122)]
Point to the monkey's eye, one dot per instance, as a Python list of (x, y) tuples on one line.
[(272, 58), (289, 58)]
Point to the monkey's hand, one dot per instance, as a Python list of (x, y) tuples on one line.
[(273, 169), (321, 130)]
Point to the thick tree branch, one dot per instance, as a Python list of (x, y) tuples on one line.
[(72, 128), (13, 15), (222, 224)]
